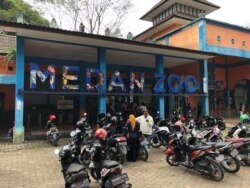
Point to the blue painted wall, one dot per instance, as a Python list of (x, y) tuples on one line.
[(7, 79)]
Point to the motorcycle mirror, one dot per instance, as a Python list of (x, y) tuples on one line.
[(57, 151), (72, 133)]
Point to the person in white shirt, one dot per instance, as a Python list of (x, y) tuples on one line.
[(146, 123)]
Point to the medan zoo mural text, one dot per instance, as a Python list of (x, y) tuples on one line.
[(94, 79)]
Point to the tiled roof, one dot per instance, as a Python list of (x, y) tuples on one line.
[(6, 42)]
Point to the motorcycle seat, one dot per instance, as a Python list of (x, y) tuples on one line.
[(74, 168), (218, 144), (110, 164), (197, 147), (236, 140), (87, 142)]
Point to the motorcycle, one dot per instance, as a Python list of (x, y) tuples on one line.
[(83, 125), (229, 158), (210, 135), (53, 136), (243, 147), (209, 121), (75, 175), (116, 145), (159, 137), (117, 148), (109, 171), (201, 157), (143, 149), (239, 131)]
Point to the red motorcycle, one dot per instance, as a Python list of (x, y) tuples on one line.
[(201, 158), (243, 147)]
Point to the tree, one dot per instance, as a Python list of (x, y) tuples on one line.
[(10, 56), (10, 9), (95, 14)]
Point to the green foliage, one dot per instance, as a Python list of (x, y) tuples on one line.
[(10, 9), (10, 56)]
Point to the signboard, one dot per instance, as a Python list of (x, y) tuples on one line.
[(65, 104), (46, 75)]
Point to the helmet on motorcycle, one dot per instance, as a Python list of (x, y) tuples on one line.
[(52, 117), (101, 133), (113, 120), (182, 118), (178, 126), (108, 116)]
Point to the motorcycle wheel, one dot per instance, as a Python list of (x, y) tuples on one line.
[(230, 164), (86, 160), (123, 158), (143, 154), (247, 162), (171, 160), (93, 173), (215, 171), (221, 126), (155, 141)]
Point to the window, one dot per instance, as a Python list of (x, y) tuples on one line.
[(170, 10), (186, 9), (167, 13), (174, 8), (244, 43), (164, 14), (182, 8), (178, 7), (232, 41), (160, 16), (218, 38)]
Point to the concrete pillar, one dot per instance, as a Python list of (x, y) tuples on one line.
[(159, 61), (204, 88), (102, 66), (19, 99)]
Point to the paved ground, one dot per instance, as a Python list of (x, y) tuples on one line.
[(34, 165)]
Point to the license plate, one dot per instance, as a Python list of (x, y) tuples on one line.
[(122, 143), (89, 131), (80, 184), (220, 158), (234, 153), (119, 179)]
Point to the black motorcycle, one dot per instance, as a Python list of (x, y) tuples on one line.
[(209, 121), (85, 127), (108, 173), (53, 136), (74, 173)]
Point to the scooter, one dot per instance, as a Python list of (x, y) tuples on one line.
[(74, 173), (53, 136)]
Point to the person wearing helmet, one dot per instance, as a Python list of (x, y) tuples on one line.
[(51, 124), (244, 118), (98, 150)]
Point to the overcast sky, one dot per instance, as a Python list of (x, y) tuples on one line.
[(231, 11)]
